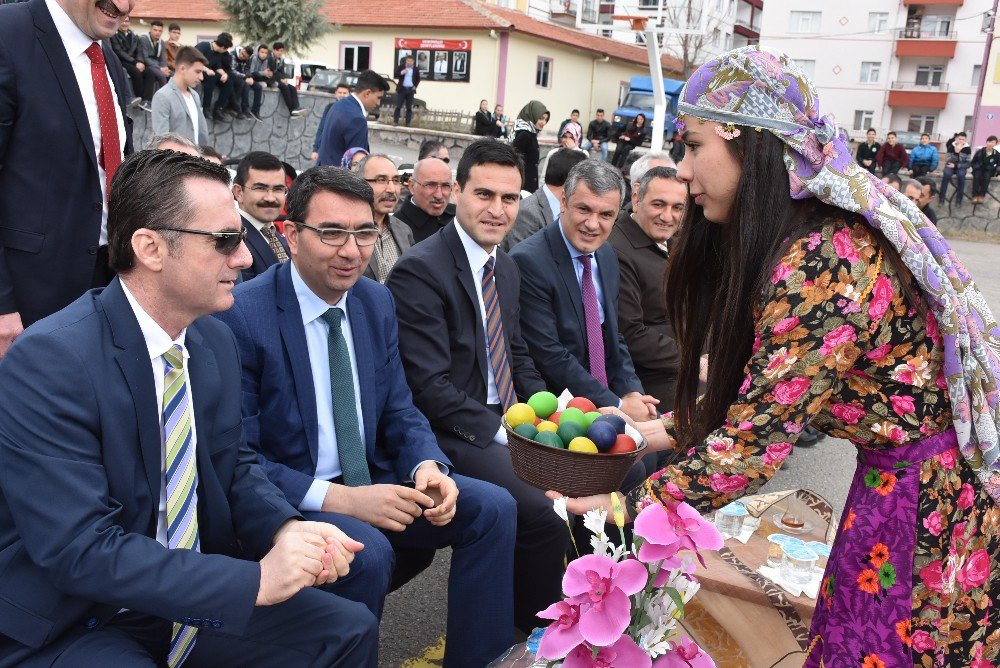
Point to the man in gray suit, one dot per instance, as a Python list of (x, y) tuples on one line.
[(541, 208), (395, 236), (177, 106), (153, 53)]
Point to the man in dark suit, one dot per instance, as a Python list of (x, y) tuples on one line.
[(346, 124), (463, 372), (53, 244), (569, 296), (125, 44), (326, 404), (542, 207), (132, 514), (395, 236), (407, 80), (260, 190), (640, 242)]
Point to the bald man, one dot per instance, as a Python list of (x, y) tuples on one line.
[(428, 208)]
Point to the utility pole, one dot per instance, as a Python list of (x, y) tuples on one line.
[(991, 25)]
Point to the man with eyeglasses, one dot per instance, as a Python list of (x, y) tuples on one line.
[(259, 189), (395, 237), (136, 526), (325, 402), (428, 208)]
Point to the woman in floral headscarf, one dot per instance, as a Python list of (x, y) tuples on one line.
[(827, 298), (352, 158)]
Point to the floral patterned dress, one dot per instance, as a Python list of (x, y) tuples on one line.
[(914, 578)]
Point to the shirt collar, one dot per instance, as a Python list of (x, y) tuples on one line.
[(554, 204), (258, 224), (573, 252), (311, 306), (474, 252), (74, 39), (360, 104), (157, 339)]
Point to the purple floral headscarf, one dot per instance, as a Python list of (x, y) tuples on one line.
[(765, 90), (345, 162)]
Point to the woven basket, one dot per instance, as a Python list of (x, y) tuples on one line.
[(570, 473)]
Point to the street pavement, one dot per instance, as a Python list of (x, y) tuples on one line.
[(414, 621)]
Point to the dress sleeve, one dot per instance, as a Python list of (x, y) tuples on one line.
[(813, 324)]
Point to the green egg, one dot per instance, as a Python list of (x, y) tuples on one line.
[(550, 438), (543, 403), (590, 417), (574, 415), (526, 430), (568, 430)]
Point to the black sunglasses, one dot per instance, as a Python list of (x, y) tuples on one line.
[(226, 243)]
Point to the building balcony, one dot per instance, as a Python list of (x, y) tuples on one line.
[(914, 42), (745, 28), (925, 96), (952, 3), (759, 4)]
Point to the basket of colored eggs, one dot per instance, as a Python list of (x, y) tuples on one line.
[(576, 451)]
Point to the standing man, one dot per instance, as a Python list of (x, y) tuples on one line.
[(457, 303), (173, 44), (288, 92), (125, 44), (598, 135), (569, 296), (394, 236), (137, 528), (407, 80), (341, 91), (177, 107), (542, 207), (346, 123), (217, 78), (641, 241), (62, 96), (326, 405), (153, 55), (260, 190), (429, 207)]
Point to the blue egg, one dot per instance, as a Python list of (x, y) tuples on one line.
[(603, 435), (616, 422)]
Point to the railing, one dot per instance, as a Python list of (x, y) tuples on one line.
[(743, 23), (917, 33), (913, 85), (447, 121)]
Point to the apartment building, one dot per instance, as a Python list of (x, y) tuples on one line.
[(904, 65)]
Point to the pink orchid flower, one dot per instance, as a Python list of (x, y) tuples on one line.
[(563, 634), (602, 588), (624, 653), (685, 655), (666, 530)]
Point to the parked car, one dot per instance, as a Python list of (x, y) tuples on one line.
[(326, 81), (302, 72)]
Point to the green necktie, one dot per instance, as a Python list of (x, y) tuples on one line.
[(353, 459)]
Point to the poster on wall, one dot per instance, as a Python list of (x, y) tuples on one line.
[(437, 59)]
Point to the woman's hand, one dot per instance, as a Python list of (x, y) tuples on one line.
[(581, 505)]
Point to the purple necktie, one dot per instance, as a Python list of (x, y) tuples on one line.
[(592, 316)]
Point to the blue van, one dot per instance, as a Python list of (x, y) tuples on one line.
[(640, 101)]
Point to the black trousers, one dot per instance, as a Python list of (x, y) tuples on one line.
[(981, 182), (289, 95), (143, 83), (405, 96), (916, 171)]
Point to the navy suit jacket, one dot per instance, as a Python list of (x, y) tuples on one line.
[(442, 337), (553, 322), (260, 251), (80, 475), (345, 126), (50, 222), (279, 398)]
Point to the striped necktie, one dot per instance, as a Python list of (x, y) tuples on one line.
[(495, 343), (181, 482)]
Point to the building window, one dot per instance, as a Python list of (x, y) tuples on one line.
[(863, 120), (805, 22), (870, 72), (878, 22), (921, 123), (935, 26), (543, 72), (355, 56), (808, 67), (715, 37), (977, 75), (929, 75), (967, 126)]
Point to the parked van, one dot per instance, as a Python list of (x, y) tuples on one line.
[(639, 100)]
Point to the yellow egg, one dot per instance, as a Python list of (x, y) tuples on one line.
[(520, 414), (545, 425), (582, 444)]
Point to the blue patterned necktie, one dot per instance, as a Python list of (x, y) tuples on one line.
[(181, 480), (495, 343), (353, 458)]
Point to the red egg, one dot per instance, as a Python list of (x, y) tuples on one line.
[(538, 421), (623, 443), (583, 403), (555, 417)]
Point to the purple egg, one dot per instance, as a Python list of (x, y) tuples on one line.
[(616, 422), (603, 435)]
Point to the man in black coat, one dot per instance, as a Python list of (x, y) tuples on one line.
[(428, 208)]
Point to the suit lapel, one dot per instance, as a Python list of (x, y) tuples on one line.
[(49, 38), (293, 335), (567, 272), (366, 366), (466, 279), (263, 256), (203, 374)]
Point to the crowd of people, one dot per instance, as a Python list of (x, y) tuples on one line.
[(237, 411)]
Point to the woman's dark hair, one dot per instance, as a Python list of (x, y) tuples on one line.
[(635, 121), (718, 274)]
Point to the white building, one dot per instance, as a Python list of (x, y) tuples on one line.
[(901, 65)]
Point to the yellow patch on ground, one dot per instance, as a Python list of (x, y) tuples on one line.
[(430, 658)]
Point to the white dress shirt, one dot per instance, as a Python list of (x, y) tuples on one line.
[(192, 110), (555, 206), (159, 342), (76, 44)]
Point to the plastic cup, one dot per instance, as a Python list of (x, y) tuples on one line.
[(775, 548), (729, 520), (822, 551), (798, 563)]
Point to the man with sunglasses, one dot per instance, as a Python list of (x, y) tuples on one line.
[(395, 237), (325, 402), (259, 189), (428, 208), (137, 528)]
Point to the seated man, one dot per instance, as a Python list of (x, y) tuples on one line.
[(132, 514), (463, 372), (429, 207), (325, 402), (569, 296)]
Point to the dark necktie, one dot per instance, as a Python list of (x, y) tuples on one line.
[(494, 339), (353, 458), (111, 148), (592, 317)]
